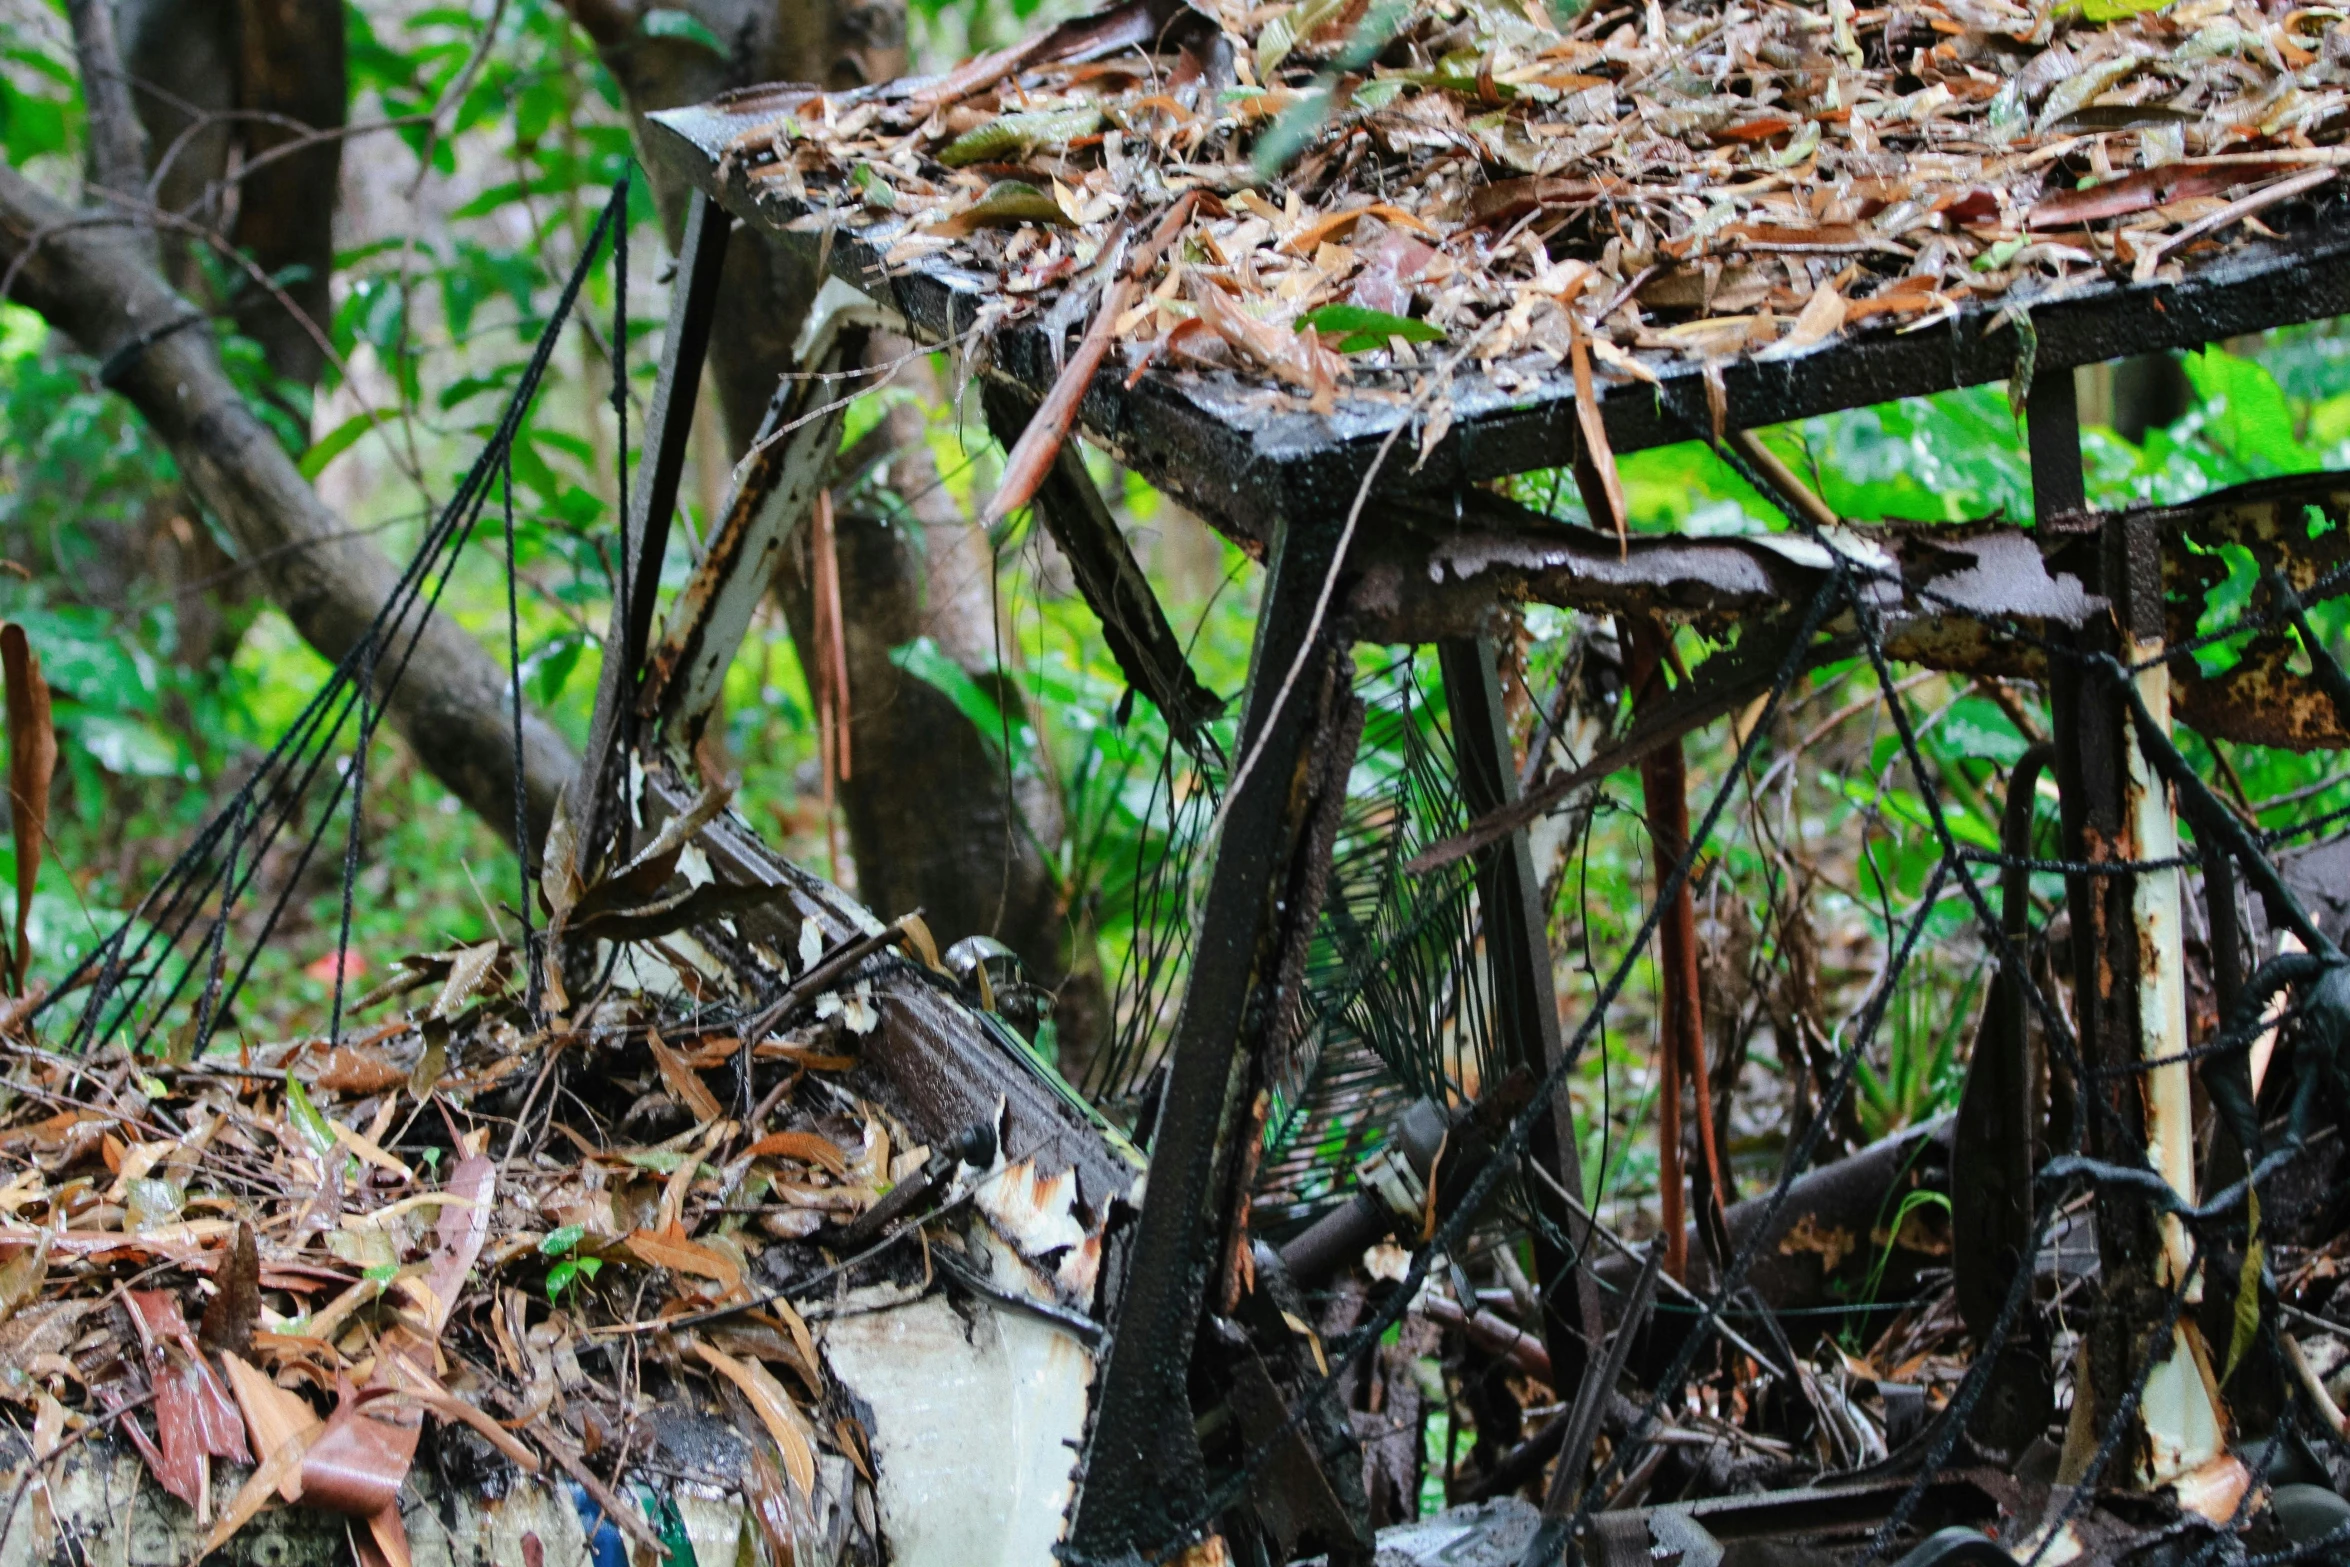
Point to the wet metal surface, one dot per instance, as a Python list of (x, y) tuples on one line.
[(1240, 458)]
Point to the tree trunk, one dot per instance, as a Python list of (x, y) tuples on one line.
[(209, 76), (451, 707), (936, 819)]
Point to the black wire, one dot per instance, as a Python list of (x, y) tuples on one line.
[(529, 956), (269, 800)]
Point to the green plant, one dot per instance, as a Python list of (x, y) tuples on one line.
[(560, 1244)]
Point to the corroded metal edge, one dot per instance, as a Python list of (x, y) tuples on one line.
[(1226, 448)]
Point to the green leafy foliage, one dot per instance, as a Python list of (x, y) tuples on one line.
[(1354, 328)]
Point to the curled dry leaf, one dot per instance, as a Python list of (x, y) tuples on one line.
[(775, 1410), (807, 1147), (32, 758)]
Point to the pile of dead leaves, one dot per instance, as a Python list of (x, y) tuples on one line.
[(293, 1256), (1386, 185)]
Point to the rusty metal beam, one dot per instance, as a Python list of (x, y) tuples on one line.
[(1144, 1479), (775, 490), (2128, 992), (1947, 592), (1239, 457), (591, 806), (1134, 625), (1997, 1147)]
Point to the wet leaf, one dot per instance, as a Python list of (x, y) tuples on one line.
[(315, 1129), (1353, 329), (2244, 1331), (228, 1321), (32, 758), (775, 1410), (686, 1084), (1006, 204), (807, 1147)]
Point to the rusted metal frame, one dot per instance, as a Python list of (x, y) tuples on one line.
[(1996, 1150), (1144, 1479), (1664, 785), (1525, 1002), (1952, 593), (789, 464), (2186, 1425), (2124, 982), (1213, 441), (592, 802), (1134, 624)]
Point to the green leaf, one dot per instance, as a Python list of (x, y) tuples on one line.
[(334, 443), (922, 659), (2115, 10), (1354, 328), (667, 23), (2246, 1327), (312, 1125), (2250, 418), (561, 1275), (560, 1241)]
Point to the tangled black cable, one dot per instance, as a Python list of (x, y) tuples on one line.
[(228, 852), (1841, 584)]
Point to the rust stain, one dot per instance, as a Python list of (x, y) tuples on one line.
[(1830, 1243)]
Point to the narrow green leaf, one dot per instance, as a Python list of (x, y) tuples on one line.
[(334, 443), (1355, 328), (665, 22), (306, 1118), (2246, 1327)]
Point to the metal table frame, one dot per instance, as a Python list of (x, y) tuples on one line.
[(1283, 483)]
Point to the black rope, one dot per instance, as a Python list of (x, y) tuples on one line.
[(251, 820), (351, 842), (529, 955)]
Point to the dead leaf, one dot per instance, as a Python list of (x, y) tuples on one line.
[(1594, 427), (807, 1147), (32, 758), (227, 1325), (685, 1084), (273, 1418), (464, 1226), (2145, 188), (775, 1410), (280, 1468), (352, 1069), (1822, 318), (680, 1255), (469, 969), (358, 1463)]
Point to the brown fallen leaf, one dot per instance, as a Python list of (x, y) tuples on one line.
[(807, 1147), (32, 758), (685, 1084), (1505, 201), (227, 1324), (279, 1469), (274, 1417), (680, 1255), (1822, 318), (2136, 192), (775, 1410), (358, 1463), (352, 1069)]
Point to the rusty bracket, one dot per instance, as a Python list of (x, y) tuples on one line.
[(592, 806), (775, 490), (1134, 624)]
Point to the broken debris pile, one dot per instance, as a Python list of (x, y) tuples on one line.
[(603, 1254)]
